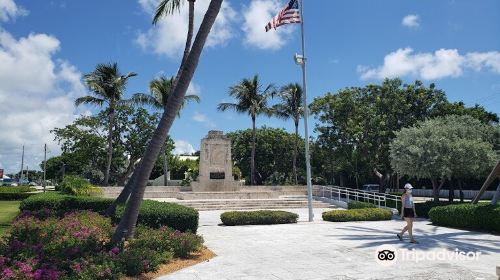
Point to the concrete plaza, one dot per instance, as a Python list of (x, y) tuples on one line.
[(326, 250)]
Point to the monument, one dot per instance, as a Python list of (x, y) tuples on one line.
[(216, 167)]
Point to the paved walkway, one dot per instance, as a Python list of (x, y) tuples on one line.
[(326, 250)]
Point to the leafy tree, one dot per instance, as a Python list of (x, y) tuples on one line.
[(107, 85), (185, 75), (160, 90), (459, 108), (252, 100), (357, 124), (443, 148), (273, 146), (291, 107)]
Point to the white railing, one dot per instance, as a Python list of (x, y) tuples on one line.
[(347, 194)]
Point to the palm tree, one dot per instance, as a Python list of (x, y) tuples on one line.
[(291, 107), (253, 101), (160, 90), (141, 175), (107, 86), (168, 7)]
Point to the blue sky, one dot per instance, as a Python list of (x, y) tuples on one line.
[(45, 47)]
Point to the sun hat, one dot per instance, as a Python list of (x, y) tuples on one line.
[(408, 186)]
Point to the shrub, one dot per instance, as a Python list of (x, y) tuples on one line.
[(360, 205), (22, 189), (14, 196), (156, 214), (153, 214), (365, 214), (482, 216), (60, 203), (166, 239), (15, 193), (262, 217), (423, 209), (78, 246), (78, 186)]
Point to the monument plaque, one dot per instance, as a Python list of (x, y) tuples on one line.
[(216, 167)]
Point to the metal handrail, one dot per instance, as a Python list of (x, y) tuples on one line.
[(341, 193)]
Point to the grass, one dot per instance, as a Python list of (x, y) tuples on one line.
[(8, 210)]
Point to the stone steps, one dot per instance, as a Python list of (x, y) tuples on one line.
[(249, 204)]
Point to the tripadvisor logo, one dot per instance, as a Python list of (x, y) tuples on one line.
[(387, 255)]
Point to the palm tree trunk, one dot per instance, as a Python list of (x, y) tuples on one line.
[(122, 198), (295, 152), (128, 221), (110, 141), (252, 157), (126, 174), (189, 38), (165, 165)]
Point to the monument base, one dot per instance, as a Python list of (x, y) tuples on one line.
[(215, 186)]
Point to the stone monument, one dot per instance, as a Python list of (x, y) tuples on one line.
[(216, 167)]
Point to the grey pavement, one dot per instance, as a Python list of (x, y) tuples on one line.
[(326, 250)]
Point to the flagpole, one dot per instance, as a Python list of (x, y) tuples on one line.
[(306, 115)]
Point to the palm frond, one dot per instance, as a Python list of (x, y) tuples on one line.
[(145, 99), (166, 7), (89, 100)]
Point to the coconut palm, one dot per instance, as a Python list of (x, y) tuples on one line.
[(252, 100), (291, 107), (141, 175), (168, 7), (107, 85), (160, 90)]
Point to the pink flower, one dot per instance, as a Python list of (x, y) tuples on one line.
[(115, 250), (77, 267), (8, 273)]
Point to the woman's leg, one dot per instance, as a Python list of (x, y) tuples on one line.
[(410, 228)]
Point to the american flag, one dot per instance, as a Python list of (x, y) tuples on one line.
[(289, 14)]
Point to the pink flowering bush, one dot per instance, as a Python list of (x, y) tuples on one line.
[(42, 245)]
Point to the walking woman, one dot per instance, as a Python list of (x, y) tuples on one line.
[(408, 213)]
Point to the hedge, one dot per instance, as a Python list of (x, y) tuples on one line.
[(21, 189), (61, 203), (360, 205), (156, 214), (423, 209), (482, 216), (261, 217), (365, 214), (152, 213), (14, 196)]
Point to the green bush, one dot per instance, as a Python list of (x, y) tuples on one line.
[(14, 196), (136, 260), (262, 217), (152, 213), (165, 239), (365, 214), (359, 205), (78, 186), (61, 203), (423, 209), (482, 216), (157, 214), (15, 193), (22, 189)]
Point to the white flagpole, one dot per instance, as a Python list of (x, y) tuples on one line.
[(306, 115)]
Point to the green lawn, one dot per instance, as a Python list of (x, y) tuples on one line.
[(8, 210)]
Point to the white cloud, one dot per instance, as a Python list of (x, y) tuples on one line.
[(169, 36), (36, 94), (411, 21), (9, 10), (202, 118), (443, 63), (255, 17), (183, 147)]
